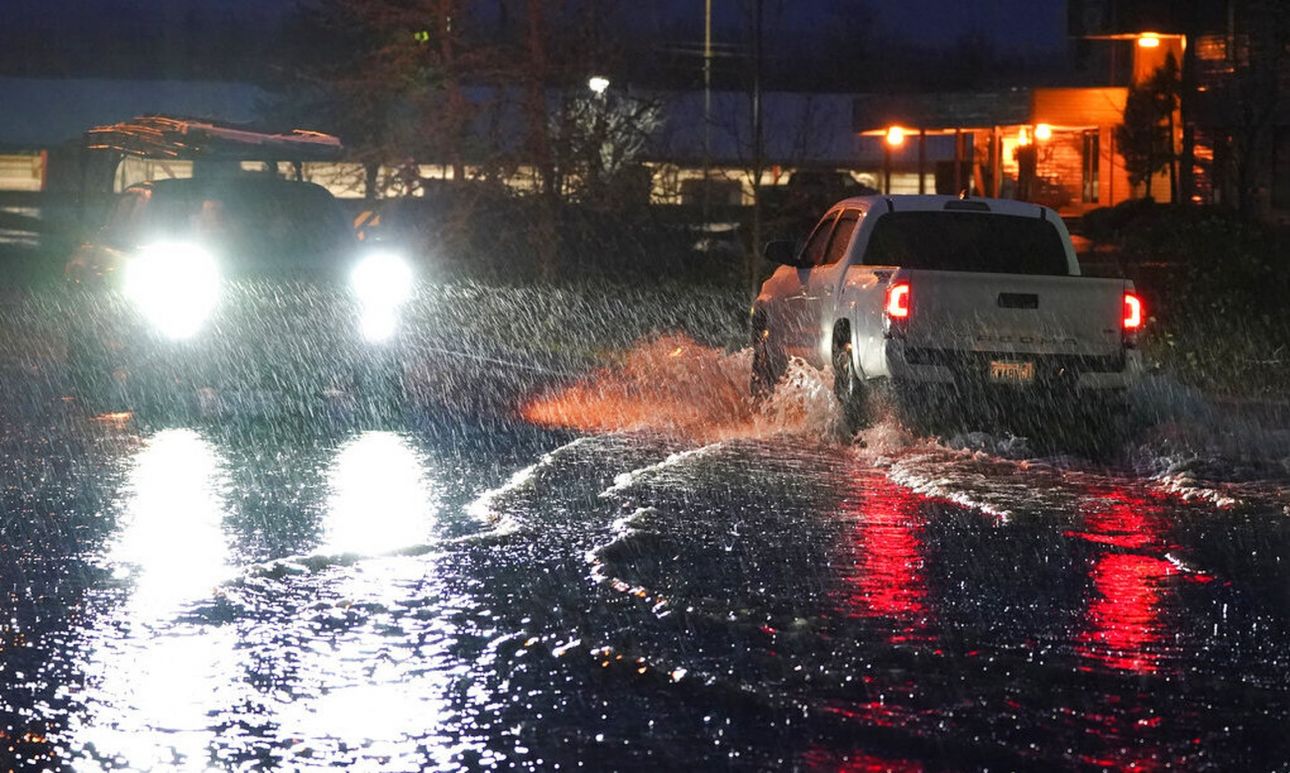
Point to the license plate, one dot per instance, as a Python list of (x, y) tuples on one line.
[(1002, 371)]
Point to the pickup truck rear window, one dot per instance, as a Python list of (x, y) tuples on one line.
[(967, 241)]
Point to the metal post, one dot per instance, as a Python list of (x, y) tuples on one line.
[(757, 149), (886, 168), (707, 106), (996, 162), (922, 161), (958, 161)]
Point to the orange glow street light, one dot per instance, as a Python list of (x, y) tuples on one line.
[(1149, 40), (1043, 132), (895, 136)]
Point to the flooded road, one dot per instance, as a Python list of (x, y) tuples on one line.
[(638, 570)]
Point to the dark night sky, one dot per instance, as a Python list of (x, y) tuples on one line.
[(194, 37), (1009, 23)]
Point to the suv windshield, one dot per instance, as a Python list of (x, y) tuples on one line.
[(967, 241), (257, 221)]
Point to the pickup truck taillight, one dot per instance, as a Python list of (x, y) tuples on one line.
[(896, 309), (1131, 321), (898, 300)]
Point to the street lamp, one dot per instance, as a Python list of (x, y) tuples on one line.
[(598, 84), (1043, 132), (895, 136)]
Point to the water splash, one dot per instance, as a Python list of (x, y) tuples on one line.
[(674, 386)]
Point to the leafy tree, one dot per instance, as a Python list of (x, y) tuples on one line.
[(1145, 139)]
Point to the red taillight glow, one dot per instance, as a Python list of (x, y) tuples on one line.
[(898, 301), (1132, 312)]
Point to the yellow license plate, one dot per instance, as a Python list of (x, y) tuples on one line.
[(1005, 372)]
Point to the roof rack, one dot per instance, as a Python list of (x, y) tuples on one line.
[(159, 136)]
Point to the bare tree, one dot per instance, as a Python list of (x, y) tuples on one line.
[(391, 81)]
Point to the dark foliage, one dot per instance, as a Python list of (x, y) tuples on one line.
[(1216, 287)]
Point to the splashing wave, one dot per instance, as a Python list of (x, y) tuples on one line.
[(677, 387)]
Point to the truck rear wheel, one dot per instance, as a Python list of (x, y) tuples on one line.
[(768, 366), (848, 387), (766, 372)]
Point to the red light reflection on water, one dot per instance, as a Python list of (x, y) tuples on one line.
[(1126, 630), (1126, 626), (818, 759), (887, 581)]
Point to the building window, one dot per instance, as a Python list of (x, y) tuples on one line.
[(1212, 48), (1092, 154)]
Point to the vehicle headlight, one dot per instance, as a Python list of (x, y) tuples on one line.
[(382, 282), (175, 285)]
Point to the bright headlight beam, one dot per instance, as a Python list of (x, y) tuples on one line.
[(175, 285), (382, 279), (382, 282)]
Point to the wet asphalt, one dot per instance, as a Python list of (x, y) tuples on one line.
[(468, 583)]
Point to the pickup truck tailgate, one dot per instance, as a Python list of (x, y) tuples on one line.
[(964, 311)]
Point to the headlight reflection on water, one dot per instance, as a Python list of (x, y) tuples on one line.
[(153, 677), (329, 680), (172, 542), (380, 500), (175, 285), (371, 693)]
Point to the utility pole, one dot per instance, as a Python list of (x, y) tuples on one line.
[(707, 107), (755, 255), (456, 104), (539, 145), (1187, 104)]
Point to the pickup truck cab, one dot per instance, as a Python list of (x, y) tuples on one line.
[(951, 303)]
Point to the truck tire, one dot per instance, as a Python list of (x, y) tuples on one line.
[(765, 373), (768, 366), (848, 387)]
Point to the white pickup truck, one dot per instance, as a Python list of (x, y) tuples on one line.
[(955, 304)]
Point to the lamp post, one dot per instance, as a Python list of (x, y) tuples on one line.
[(894, 139)]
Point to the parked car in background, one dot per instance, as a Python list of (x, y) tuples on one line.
[(951, 305)]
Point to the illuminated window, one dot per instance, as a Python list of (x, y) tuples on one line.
[(1211, 48)]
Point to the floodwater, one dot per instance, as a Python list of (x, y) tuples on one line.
[(635, 569)]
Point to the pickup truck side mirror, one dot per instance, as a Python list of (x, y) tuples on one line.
[(781, 251)]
